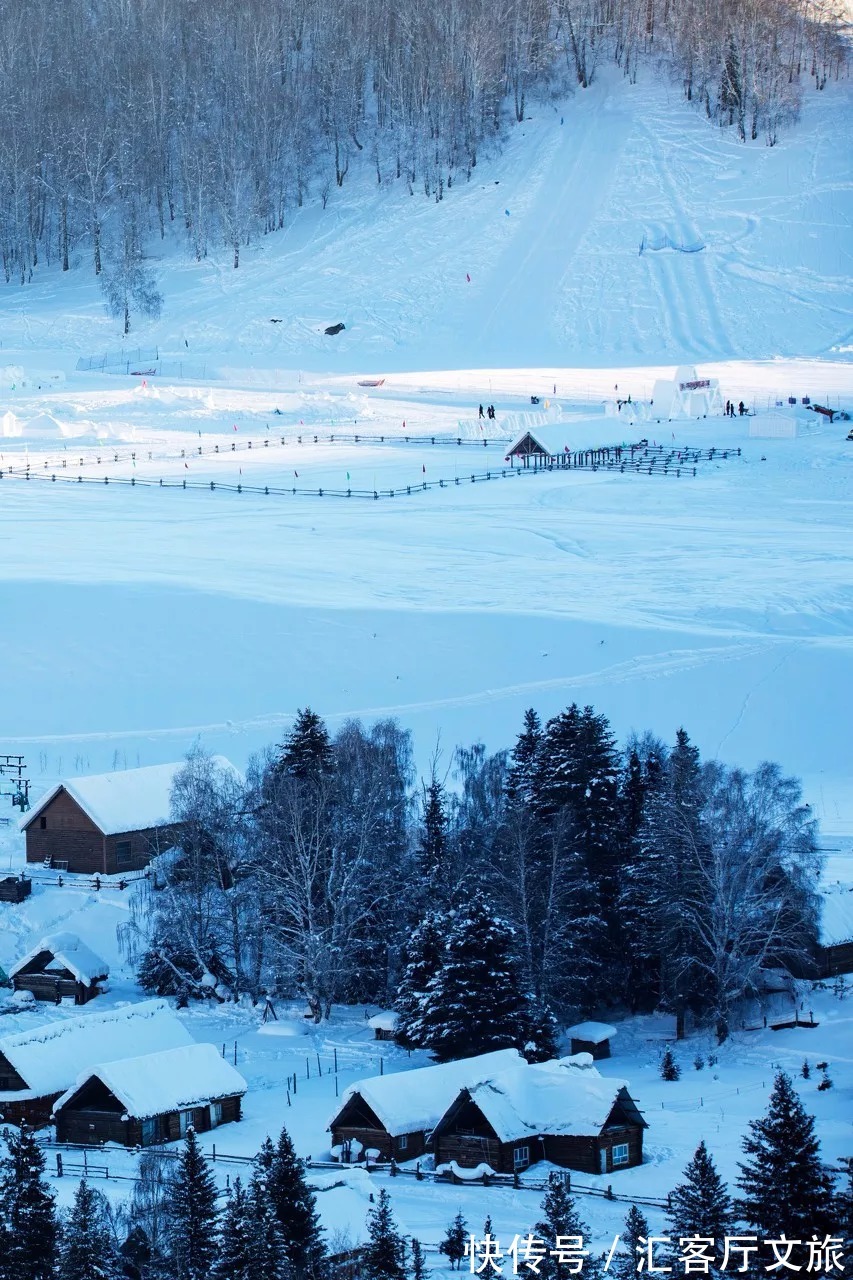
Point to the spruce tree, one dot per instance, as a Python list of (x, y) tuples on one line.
[(636, 1229), (191, 1233), (267, 1250), (453, 1244), (523, 775), (27, 1211), (418, 1269), (86, 1247), (701, 1205), (234, 1261), (432, 844), (383, 1255), (423, 952), (307, 750), (561, 1218), (294, 1205), (785, 1186), (669, 1068), (476, 1002)]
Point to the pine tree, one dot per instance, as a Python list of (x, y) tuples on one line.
[(476, 1002), (523, 776), (701, 1205), (561, 1218), (432, 845), (294, 1205), (784, 1184), (419, 1267), (624, 1265), (383, 1254), (669, 1068), (234, 1261), (423, 952), (267, 1249), (27, 1212), (307, 750), (86, 1248), (191, 1246), (453, 1244)]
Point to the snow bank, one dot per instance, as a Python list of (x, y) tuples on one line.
[(479, 1171), (288, 1027)]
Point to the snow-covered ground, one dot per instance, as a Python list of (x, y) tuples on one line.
[(137, 621)]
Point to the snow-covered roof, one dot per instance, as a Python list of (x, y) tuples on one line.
[(836, 918), (129, 800), (155, 1084), (592, 1032), (412, 1101), (552, 437), (68, 951), (383, 1022), (50, 1058), (547, 1098)]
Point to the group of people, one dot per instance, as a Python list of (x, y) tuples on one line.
[(489, 412), (730, 408)]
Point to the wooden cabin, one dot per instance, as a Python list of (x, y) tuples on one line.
[(60, 967), (38, 1066), (393, 1115), (573, 1118), (108, 823), (383, 1026), (592, 1037), (15, 888), (154, 1098)]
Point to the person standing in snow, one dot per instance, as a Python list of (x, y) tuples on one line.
[(480, 415), (741, 408)]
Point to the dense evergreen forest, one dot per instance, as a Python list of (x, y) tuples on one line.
[(120, 119), (562, 876)]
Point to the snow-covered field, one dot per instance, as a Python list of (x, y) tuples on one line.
[(138, 620)]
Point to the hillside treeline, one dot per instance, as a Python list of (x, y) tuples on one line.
[(574, 874), (122, 118)]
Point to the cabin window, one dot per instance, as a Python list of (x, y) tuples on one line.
[(123, 853), (43, 824), (403, 1141), (621, 1154), (520, 1157)]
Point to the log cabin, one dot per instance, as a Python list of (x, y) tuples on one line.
[(37, 1067), (383, 1026), (60, 967), (150, 1099), (106, 824), (392, 1115), (561, 1111), (591, 1037)]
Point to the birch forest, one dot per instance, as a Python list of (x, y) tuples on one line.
[(125, 120)]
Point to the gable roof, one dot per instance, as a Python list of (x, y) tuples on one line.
[(51, 1057), (413, 1101), (552, 438), (558, 1098), (155, 1084), (129, 800), (72, 954)]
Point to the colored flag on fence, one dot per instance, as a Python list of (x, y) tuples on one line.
[(347, 475), (186, 466), (296, 473), (235, 426), (423, 468), (467, 277)]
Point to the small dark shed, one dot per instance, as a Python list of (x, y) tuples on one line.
[(15, 888), (592, 1037), (151, 1099), (60, 967)]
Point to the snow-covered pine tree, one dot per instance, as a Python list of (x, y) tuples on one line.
[(294, 1205), (637, 971), (581, 774), (784, 1183), (561, 1218), (307, 750), (423, 952), (86, 1247), (28, 1225), (432, 843), (267, 1249), (384, 1253), (669, 1068), (636, 1229), (418, 1268), (235, 1258), (477, 1001), (191, 1246), (453, 1244), (701, 1204), (523, 775)]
